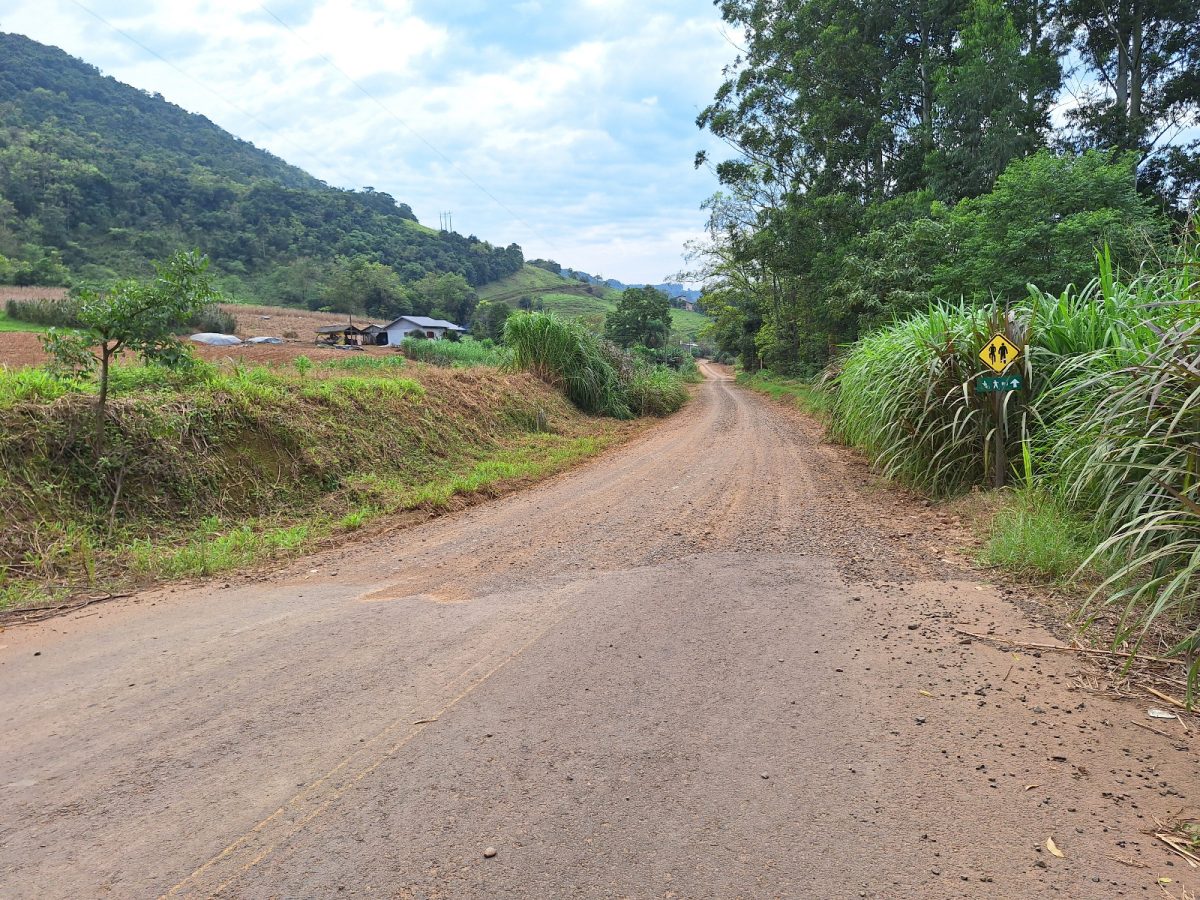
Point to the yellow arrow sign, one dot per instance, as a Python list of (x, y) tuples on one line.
[(999, 353)]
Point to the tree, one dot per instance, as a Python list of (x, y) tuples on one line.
[(642, 316), (992, 102), (1145, 55), (490, 317), (450, 295), (887, 270), (1043, 223), (361, 285), (870, 140), (1142, 57), (136, 316), (298, 283)]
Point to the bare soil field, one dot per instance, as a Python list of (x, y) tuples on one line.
[(278, 321), (14, 292), (18, 349)]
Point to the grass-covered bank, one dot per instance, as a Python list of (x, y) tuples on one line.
[(1102, 442), (209, 469), (1021, 530), (802, 394)]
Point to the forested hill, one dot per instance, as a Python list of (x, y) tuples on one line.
[(97, 179)]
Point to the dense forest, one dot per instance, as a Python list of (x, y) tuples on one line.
[(97, 179), (889, 155)]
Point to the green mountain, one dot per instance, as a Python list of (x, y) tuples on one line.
[(99, 179)]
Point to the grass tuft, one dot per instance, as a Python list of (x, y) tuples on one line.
[(566, 355), (597, 376), (1034, 535)]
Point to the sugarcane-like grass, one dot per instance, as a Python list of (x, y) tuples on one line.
[(1107, 429)]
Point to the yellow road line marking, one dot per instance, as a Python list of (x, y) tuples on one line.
[(246, 843)]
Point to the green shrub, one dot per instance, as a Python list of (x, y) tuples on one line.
[(212, 319), (459, 354), (655, 392)]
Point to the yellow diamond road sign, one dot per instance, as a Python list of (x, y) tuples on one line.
[(998, 353)]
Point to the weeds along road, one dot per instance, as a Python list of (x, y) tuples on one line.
[(712, 663)]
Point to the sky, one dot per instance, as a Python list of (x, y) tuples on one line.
[(566, 126)]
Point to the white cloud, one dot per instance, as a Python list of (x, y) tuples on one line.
[(577, 116)]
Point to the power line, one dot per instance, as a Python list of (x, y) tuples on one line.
[(249, 115), (406, 126)]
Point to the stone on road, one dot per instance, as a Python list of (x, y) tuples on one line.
[(689, 668)]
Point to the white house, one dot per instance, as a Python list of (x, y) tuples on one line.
[(416, 326)]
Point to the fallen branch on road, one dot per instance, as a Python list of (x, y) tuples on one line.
[(1063, 648), (40, 613)]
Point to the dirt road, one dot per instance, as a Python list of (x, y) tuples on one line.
[(710, 664)]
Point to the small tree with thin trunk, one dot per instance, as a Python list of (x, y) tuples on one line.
[(133, 316)]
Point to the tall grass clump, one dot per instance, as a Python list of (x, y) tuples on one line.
[(56, 313), (903, 395), (212, 319), (655, 391), (64, 313), (566, 355), (1140, 477)]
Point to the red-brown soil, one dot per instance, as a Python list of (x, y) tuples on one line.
[(718, 662)]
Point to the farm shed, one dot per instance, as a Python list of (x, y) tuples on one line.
[(350, 334), (374, 335)]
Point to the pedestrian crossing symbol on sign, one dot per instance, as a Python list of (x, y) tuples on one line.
[(999, 353)]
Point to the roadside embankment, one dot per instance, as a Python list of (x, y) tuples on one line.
[(222, 467)]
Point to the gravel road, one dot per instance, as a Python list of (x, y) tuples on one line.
[(717, 662)]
